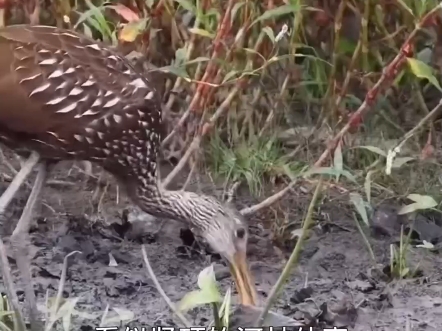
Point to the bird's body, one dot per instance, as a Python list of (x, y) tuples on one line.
[(67, 97), (70, 98)]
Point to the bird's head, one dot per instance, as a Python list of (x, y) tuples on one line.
[(220, 225), (224, 229)]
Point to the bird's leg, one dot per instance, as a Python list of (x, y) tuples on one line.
[(20, 245), (18, 180)]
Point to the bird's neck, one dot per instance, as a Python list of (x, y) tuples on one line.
[(175, 205), (182, 206), (167, 204)]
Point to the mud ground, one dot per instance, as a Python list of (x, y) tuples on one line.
[(335, 273)]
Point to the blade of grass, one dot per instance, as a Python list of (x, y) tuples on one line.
[(19, 324), (56, 306), (293, 257), (157, 284)]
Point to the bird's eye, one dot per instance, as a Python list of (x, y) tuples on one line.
[(240, 233)]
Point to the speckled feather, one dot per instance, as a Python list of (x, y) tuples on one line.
[(68, 97)]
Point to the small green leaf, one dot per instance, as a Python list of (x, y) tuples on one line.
[(180, 56), (187, 5), (235, 9), (422, 70), (229, 75), (178, 71), (252, 51), (122, 315), (359, 204), (65, 313), (202, 33), (206, 278), (269, 32), (225, 307), (208, 292), (426, 244), (348, 175), (95, 17), (346, 47), (276, 12), (367, 185), (389, 162), (423, 199), (87, 31), (404, 272), (337, 162), (198, 60), (420, 202), (408, 209), (198, 298), (132, 30)]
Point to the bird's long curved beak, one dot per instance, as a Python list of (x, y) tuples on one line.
[(243, 279)]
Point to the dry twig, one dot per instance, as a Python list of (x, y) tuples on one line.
[(157, 284), (293, 257)]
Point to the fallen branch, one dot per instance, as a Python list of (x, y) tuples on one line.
[(267, 202)]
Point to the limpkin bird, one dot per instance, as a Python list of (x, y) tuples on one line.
[(66, 97)]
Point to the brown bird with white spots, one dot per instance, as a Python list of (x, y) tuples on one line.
[(66, 97)]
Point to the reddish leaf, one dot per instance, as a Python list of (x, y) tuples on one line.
[(321, 19), (430, 21), (125, 12), (427, 152), (355, 122), (408, 50)]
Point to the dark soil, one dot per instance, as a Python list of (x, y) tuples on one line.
[(335, 273)]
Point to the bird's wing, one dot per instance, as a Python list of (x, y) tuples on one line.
[(59, 81)]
